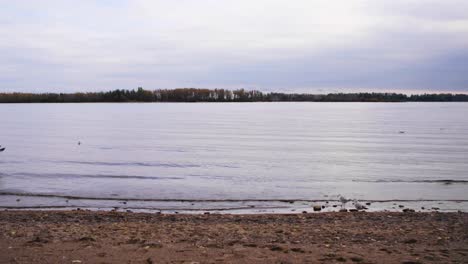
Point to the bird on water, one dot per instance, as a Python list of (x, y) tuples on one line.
[(343, 201), (358, 205)]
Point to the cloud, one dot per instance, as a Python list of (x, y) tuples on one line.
[(302, 45)]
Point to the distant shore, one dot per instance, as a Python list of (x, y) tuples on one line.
[(193, 95), (111, 237)]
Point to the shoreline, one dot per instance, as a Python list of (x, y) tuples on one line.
[(227, 206), (83, 236)]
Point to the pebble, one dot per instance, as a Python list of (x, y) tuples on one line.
[(410, 241), (356, 259), (317, 208), (276, 248)]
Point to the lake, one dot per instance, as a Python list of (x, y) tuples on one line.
[(234, 157)]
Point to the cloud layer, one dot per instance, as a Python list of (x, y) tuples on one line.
[(302, 45)]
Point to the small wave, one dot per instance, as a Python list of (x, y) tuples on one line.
[(147, 164), (141, 164), (11, 162), (106, 148), (444, 181), (187, 209), (225, 166), (73, 197), (94, 176)]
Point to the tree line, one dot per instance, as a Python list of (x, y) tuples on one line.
[(220, 95)]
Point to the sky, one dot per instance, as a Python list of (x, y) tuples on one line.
[(316, 46)]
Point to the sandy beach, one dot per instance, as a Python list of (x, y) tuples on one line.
[(114, 237)]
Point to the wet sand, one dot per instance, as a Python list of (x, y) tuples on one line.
[(115, 237)]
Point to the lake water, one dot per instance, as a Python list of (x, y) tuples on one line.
[(239, 157)]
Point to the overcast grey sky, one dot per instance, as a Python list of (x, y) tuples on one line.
[(281, 45)]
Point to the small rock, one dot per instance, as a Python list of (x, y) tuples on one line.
[(356, 259), (317, 208), (353, 210), (401, 206), (410, 241), (435, 208), (335, 205), (87, 238), (343, 210), (304, 212), (407, 210), (340, 259), (300, 250), (207, 213), (250, 245), (276, 248), (368, 203), (152, 245)]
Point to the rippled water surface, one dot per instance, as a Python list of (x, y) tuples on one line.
[(232, 151)]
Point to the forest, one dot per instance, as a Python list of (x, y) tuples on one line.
[(221, 95)]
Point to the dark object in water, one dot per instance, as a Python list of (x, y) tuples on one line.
[(79, 143), (401, 132), (1, 149)]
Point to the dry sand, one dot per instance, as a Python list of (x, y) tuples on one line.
[(111, 237)]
